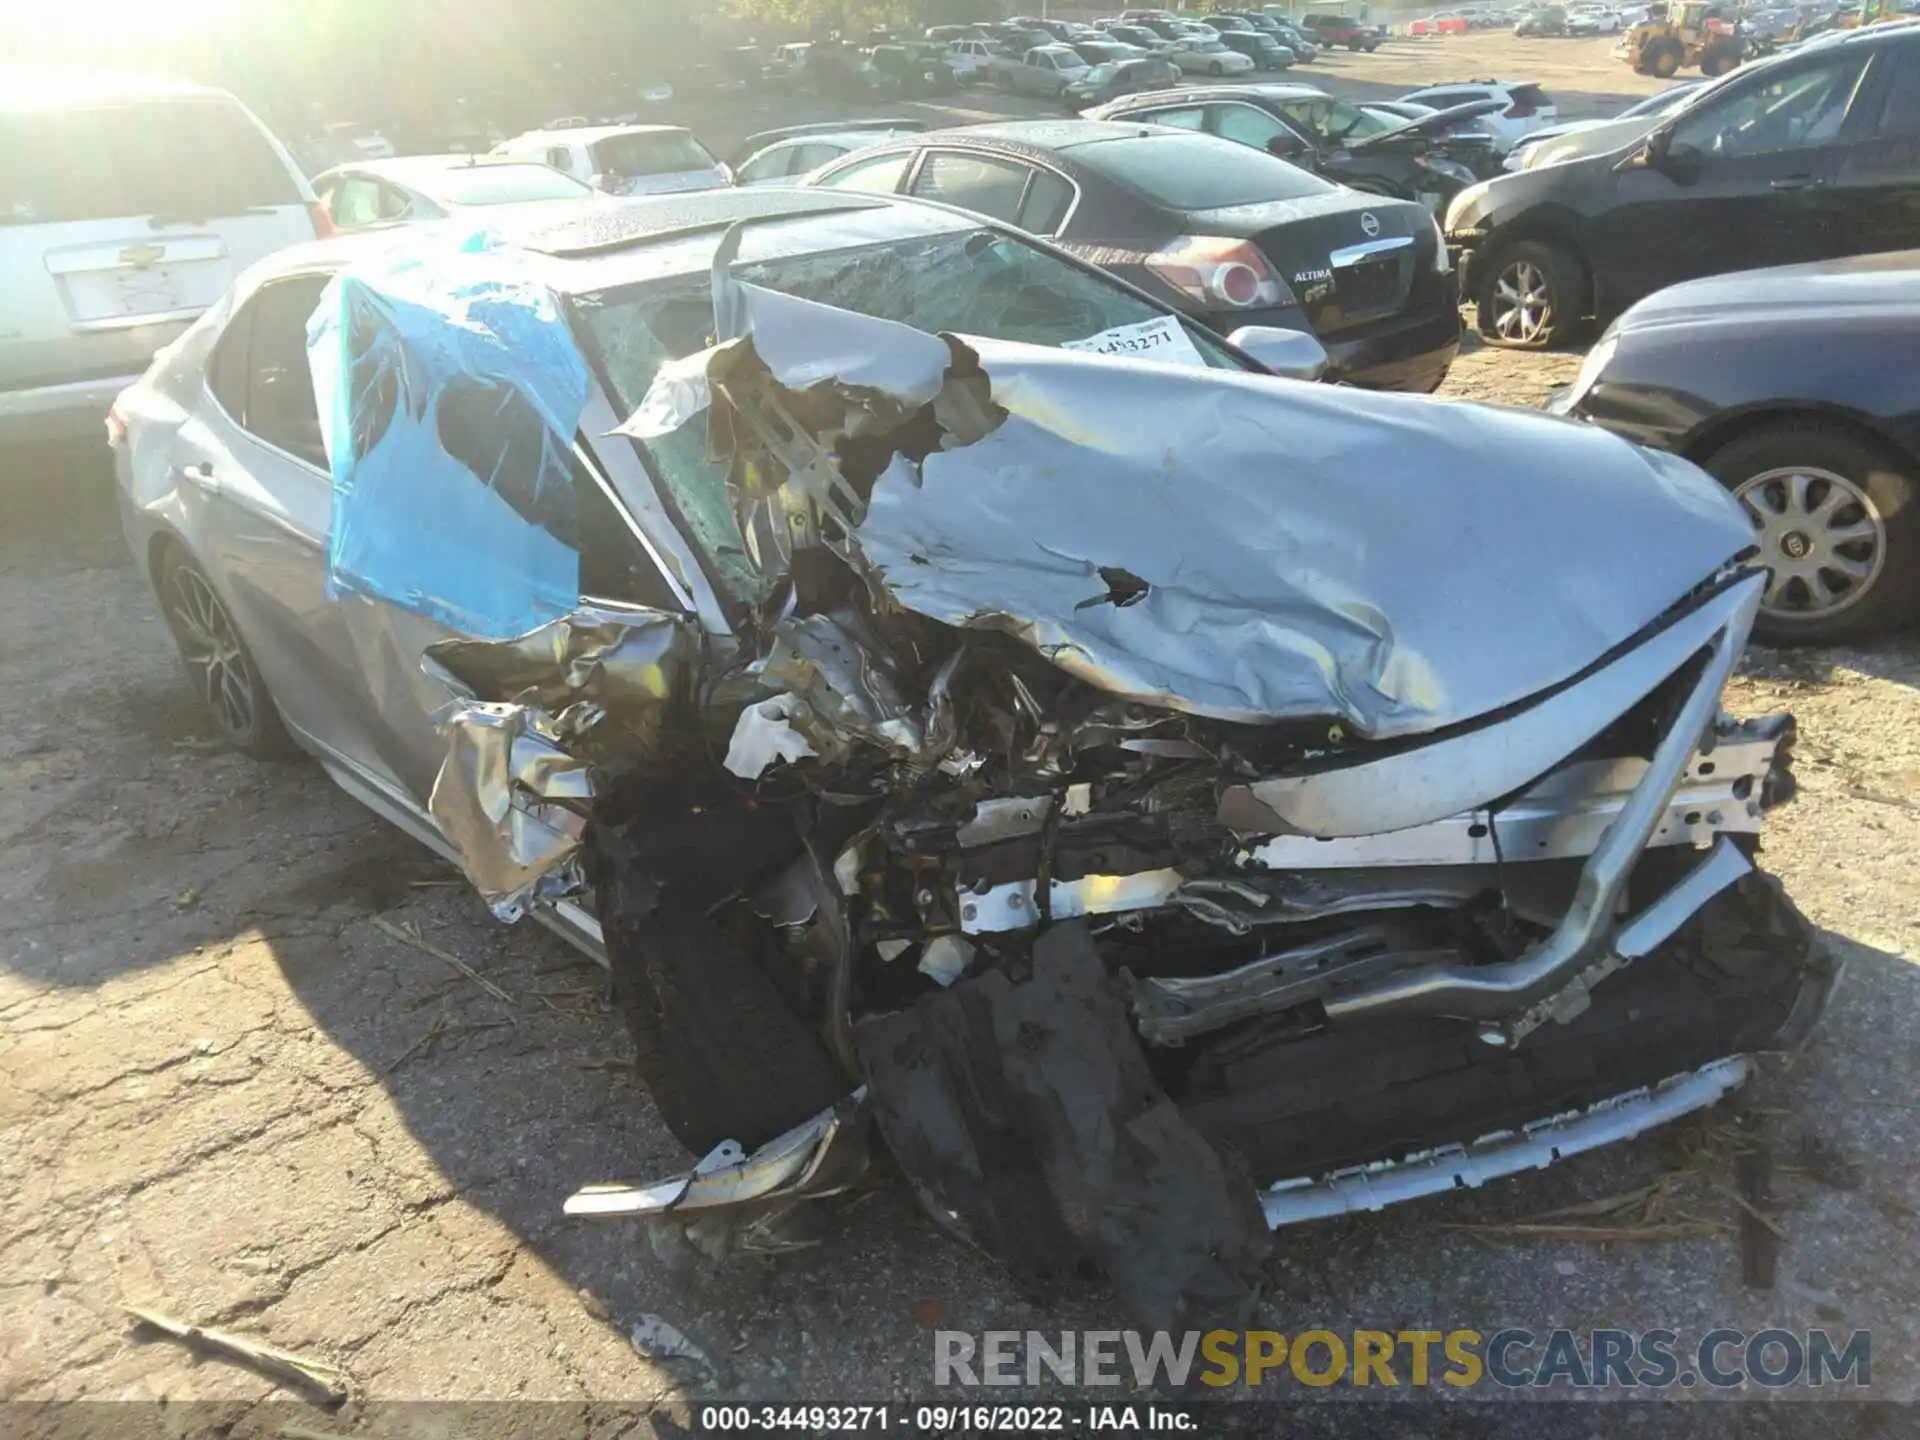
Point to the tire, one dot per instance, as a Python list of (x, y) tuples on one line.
[(1520, 272), (218, 664), (1662, 59), (1808, 483), (1718, 60), (715, 1042), (1354, 46), (1215, 70)]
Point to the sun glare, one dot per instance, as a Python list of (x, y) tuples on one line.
[(77, 19)]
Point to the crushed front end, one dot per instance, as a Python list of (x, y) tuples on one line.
[(1168, 803)]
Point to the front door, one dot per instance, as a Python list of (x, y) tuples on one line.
[(1737, 183)]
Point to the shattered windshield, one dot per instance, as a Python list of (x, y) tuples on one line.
[(970, 282)]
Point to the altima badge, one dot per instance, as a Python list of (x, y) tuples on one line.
[(1369, 223)]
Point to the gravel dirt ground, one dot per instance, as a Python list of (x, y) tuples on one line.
[(233, 1088)]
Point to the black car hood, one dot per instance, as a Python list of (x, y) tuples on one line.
[(1882, 286), (1429, 125)]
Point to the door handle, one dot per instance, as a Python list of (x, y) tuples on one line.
[(1798, 182), (202, 476)]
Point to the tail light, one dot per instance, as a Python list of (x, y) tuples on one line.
[(1212, 270), (323, 226), (116, 428)]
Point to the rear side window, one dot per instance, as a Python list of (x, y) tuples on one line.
[(1529, 97), (812, 157), (879, 175), (1199, 172), (259, 372), (659, 152), (1047, 202), (974, 182), (180, 159)]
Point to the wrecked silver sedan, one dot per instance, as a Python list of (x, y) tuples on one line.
[(966, 704)]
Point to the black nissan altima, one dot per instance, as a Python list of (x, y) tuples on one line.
[(1227, 234)]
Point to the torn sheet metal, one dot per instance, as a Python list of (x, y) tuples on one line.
[(1301, 555), (802, 343), (624, 659), (763, 734), (512, 801), (848, 688), (449, 391)]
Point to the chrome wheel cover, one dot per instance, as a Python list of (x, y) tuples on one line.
[(1820, 537)]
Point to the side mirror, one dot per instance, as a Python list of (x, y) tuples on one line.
[(1286, 146), (1679, 163), (1292, 353)]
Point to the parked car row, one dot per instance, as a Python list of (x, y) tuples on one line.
[(1791, 385)]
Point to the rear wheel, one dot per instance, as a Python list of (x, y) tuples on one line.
[(1533, 297), (1837, 518), (217, 660), (1662, 58)]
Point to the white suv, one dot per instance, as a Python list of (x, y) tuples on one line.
[(1528, 107), (126, 209)]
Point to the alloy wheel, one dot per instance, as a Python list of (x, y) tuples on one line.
[(1522, 303), (211, 648), (1821, 537)]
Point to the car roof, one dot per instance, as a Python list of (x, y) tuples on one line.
[(591, 133), (23, 90), (596, 237), (1055, 135), (1198, 93), (410, 168)]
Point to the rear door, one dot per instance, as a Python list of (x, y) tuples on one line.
[(119, 223), (253, 471), (1875, 197)]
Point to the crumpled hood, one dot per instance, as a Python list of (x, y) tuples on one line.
[(1226, 544), (1396, 563)]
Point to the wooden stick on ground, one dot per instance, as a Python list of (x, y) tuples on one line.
[(330, 1381), (427, 947)]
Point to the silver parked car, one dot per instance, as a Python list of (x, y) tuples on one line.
[(433, 187), (995, 744)]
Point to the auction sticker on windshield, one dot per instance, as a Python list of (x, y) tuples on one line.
[(1163, 338)]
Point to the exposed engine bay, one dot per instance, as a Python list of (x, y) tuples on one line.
[(1143, 884)]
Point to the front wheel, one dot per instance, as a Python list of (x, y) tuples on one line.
[(1532, 297), (715, 1041), (1215, 70), (217, 660), (1837, 519)]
